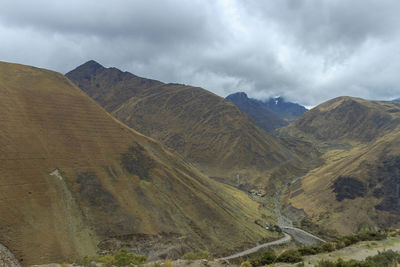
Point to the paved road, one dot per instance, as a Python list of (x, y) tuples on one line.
[(285, 239)]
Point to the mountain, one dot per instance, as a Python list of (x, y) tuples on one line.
[(358, 185), (74, 180), (203, 127), (270, 114)]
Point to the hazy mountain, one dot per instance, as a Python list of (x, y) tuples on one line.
[(203, 127), (358, 185), (74, 180), (270, 114)]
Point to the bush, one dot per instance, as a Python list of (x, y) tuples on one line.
[(267, 257), (197, 255), (168, 263), (121, 258), (246, 264), (328, 247), (382, 259), (310, 250), (291, 256)]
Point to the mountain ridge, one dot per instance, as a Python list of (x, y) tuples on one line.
[(270, 114), (203, 127)]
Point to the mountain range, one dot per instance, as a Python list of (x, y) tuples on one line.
[(101, 159), (269, 114), (204, 128)]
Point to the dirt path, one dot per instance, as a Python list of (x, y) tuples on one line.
[(285, 239)]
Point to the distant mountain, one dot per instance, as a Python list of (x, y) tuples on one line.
[(360, 141), (203, 127), (397, 99), (74, 180), (270, 114)]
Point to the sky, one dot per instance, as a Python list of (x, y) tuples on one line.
[(307, 51)]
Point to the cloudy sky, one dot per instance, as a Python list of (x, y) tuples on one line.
[(305, 50)]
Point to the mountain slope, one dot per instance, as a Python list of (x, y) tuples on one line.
[(205, 128), (74, 180), (270, 114), (257, 111), (361, 171)]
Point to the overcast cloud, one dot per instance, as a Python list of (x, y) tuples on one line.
[(305, 50)]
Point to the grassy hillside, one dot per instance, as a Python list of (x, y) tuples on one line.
[(204, 128), (74, 180), (358, 186)]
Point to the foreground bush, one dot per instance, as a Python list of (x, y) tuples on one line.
[(342, 242), (197, 256), (382, 259), (267, 257), (121, 258), (291, 256)]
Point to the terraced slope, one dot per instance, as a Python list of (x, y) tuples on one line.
[(358, 186), (203, 127), (74, 180)]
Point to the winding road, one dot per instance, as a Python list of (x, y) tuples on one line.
[(286, 225), (284, 239)]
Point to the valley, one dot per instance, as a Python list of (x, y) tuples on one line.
[(92, 183), (199, 133)]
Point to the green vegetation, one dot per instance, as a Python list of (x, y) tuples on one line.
[(342, 242), (293, 256), (120, 258), (382, 259), (198, 255), (267, 257), (290, 255)]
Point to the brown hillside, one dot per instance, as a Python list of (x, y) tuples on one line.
[(348, 119), (358, 186), (203, 127), (73, 180)]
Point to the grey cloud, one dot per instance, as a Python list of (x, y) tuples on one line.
[(308, 51)]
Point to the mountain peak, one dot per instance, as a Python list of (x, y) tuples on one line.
[(89, 67), (237, 96), (91, 64)]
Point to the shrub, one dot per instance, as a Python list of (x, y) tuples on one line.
[(107, 260), (328, 247), (121, 258), (267, 257), (382, 259), (168, 263), (197, 255), (246, 264), (310, 250), (291, 256)]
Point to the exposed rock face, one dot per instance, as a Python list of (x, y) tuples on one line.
[(7, 259)]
